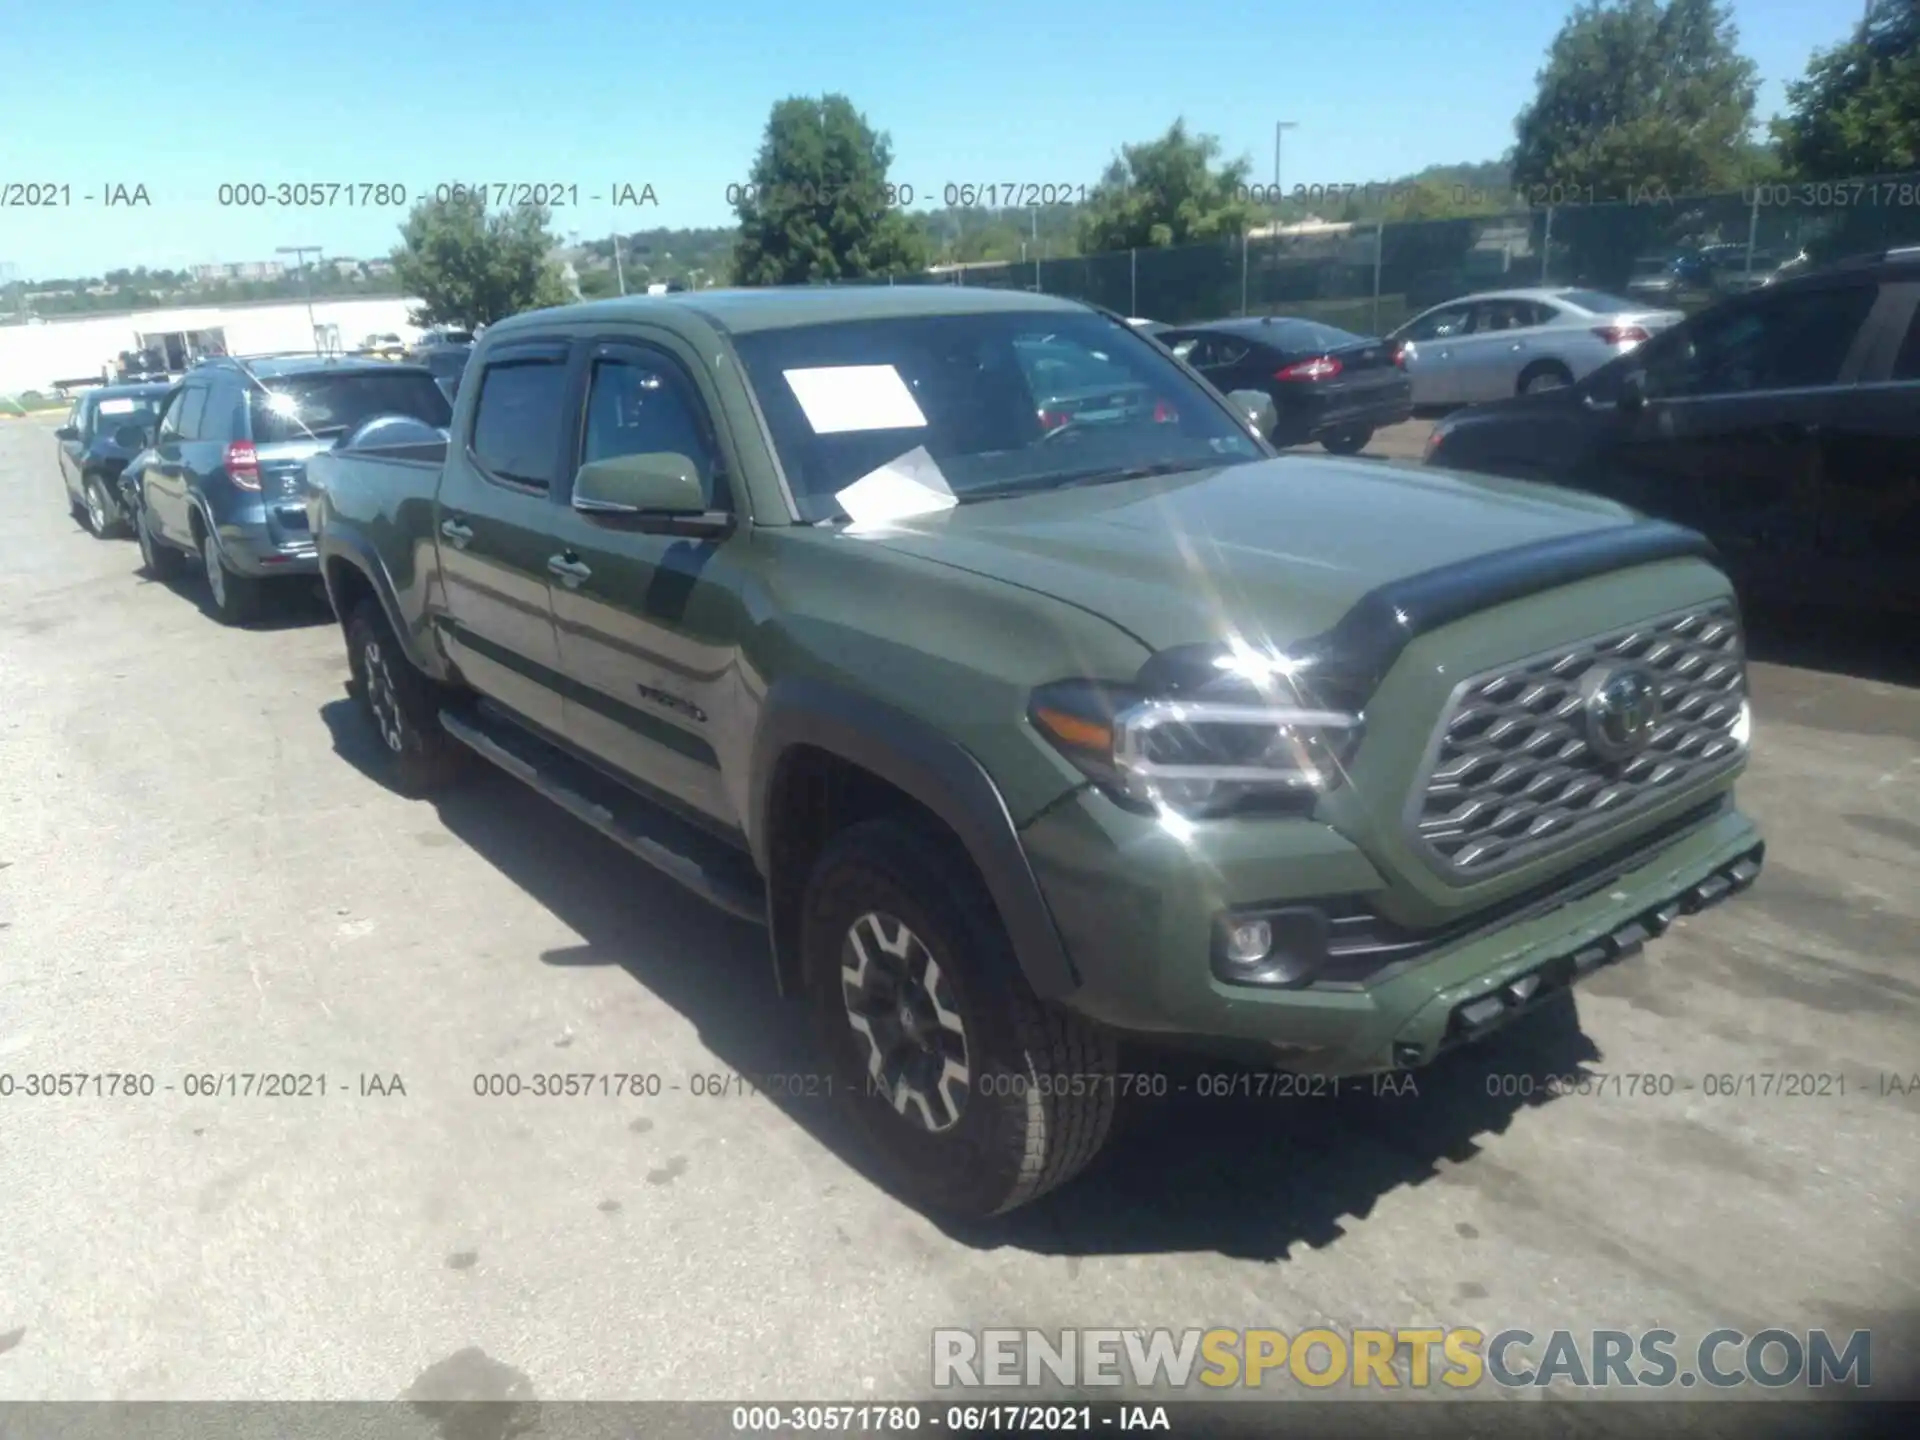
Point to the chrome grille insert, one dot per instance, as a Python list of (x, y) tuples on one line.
[(1512, 772)]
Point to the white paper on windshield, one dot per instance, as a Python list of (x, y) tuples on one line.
[(116, 407), (899, 490), (842, 398)]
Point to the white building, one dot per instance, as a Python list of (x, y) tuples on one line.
[(36, 355)]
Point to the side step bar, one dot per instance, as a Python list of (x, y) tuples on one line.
[(705, 864)]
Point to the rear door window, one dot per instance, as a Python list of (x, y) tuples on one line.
[(518, 424), (193, 407), (1793, 341)]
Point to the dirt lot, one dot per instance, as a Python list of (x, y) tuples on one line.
[(199, 876)]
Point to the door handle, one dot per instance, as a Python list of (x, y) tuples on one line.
[(569, 569), (458, 532)]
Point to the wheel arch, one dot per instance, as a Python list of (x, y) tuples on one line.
[(352, 571), (811, 728)]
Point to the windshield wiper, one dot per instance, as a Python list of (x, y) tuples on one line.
[(1072, 479)]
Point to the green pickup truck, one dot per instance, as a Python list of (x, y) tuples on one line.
[(1031, 734)]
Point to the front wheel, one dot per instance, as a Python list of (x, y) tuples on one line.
[(158, 560), (1347, 442), (975, 1096)]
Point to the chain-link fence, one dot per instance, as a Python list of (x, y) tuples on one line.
[(1677, 253)]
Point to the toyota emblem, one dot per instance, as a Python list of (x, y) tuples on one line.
[(1622, 709)]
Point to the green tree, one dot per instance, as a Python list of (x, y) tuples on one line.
[(1857, 111), (817, 206), (1167, 192), (1638, 97), (470, 268)]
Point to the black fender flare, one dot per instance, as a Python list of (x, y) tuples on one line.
[(344, 545), (932, 769)]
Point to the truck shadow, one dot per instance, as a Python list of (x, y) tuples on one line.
[(1251, 1174)]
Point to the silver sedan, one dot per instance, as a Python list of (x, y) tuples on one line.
[(1513, 342)]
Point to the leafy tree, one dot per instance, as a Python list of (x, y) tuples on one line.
[(817, 206), (1167, 192), (1638, 97), (1857, 111), (470, 268)]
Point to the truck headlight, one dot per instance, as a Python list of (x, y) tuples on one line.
[(1227, 744)]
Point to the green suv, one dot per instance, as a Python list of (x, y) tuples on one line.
[(1028, 730)]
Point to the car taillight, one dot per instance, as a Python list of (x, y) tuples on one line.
[(1400, 355), (1164, 414), (1323, 368), (1053, 419), (243, 465), (1622, 334)]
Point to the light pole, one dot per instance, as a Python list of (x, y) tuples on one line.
[(299, 252), (1280, 128)]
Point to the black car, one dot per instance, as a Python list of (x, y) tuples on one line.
[(1784, 423), (1327, 384), (97, 441), (224, 479), (447, 363)]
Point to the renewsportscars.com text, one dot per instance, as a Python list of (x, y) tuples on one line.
[(1410, 1358)]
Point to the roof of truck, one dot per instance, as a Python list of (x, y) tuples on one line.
[(741, 312)]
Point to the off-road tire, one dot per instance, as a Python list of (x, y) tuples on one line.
[(237, 599), (158, 560), (1543, 375), (100, 503), (1347, 442), (401, 705), (1040, 1099)]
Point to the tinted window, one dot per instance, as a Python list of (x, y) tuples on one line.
[(1213, 352), (517, 426), (1447, 324), (1301, 336), (193, 406), (1599, 303), (110, 412), (1907, 367), (170, 419), (638, 408), (1786, 342), (958, 385), (445, 364), (292, 407), (1490, 315)]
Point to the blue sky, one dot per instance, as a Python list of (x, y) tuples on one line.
[(595, 94)]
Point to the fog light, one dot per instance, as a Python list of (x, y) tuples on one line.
[(1249, 941)]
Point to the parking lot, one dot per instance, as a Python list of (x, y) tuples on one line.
[(200, 876)]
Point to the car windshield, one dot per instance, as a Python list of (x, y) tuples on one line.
[(292, 407), (845, 400), (1598, 303), (113, 411)]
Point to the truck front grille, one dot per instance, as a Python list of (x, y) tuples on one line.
[(1516, 769)]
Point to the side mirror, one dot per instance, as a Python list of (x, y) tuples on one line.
[(1633, 392), (132, 437), (1258, 407), (66, 432), (659, 492)]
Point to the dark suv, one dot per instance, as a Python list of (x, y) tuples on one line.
[(224, 478), (1784, 423)]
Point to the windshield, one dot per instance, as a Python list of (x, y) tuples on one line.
[(844, 400), (113, 411), (325, 405), (1598, 303)]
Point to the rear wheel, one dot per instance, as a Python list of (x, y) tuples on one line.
[(402, 705), (975, 1097), (1546, 375), (103, 516), (237, 599), (1347, 442)]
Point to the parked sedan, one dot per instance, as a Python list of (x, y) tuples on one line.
[(95, 446), (1327, 384), (1784, 423), (1515, 342)]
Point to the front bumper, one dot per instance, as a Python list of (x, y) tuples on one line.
[(1137, 907)]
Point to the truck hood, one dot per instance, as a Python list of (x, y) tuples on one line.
[(1272, 551)]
